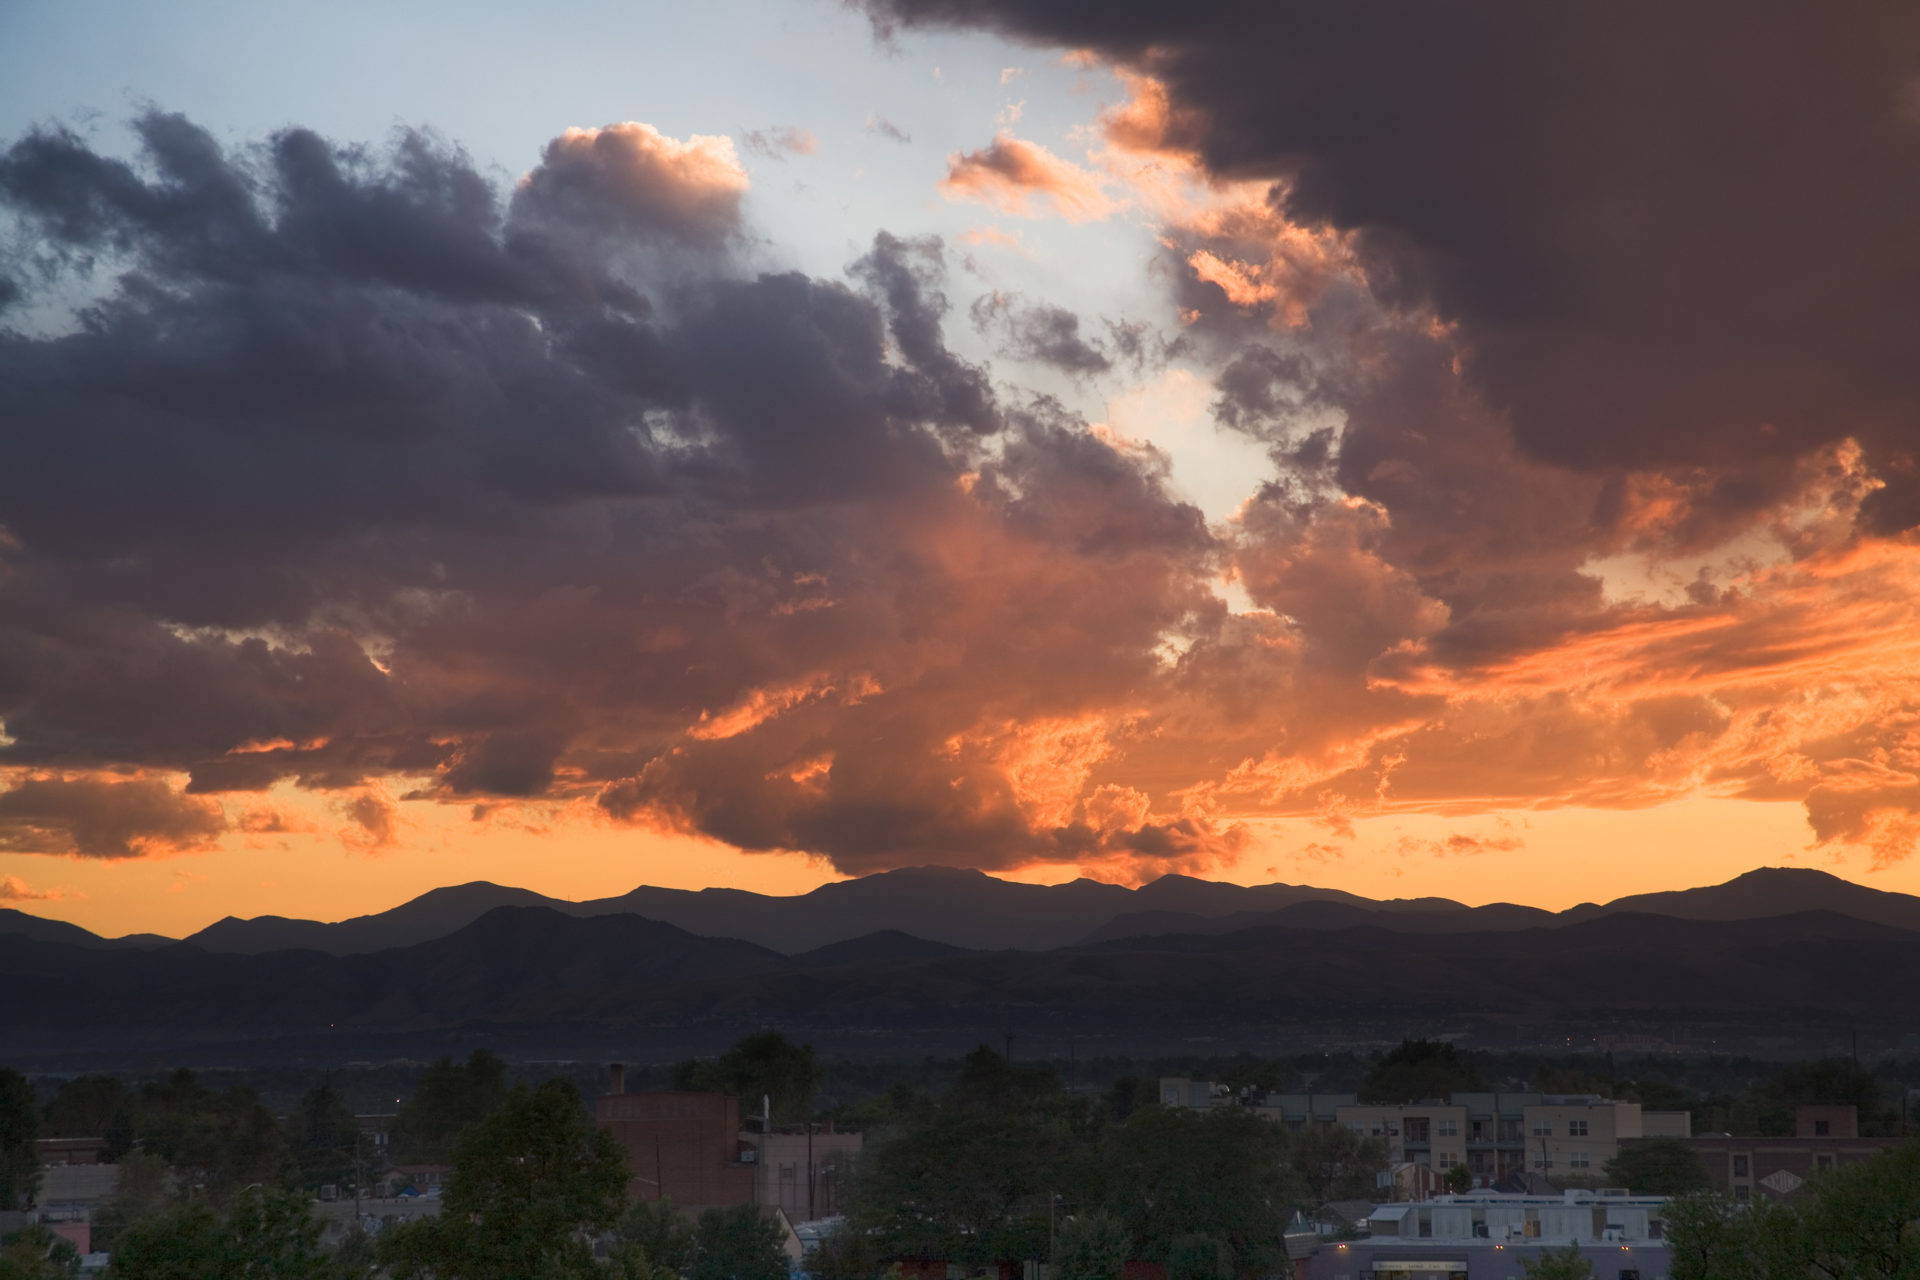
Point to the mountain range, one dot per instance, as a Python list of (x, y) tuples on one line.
[(532, 967), (1771, 951), (970, 909)]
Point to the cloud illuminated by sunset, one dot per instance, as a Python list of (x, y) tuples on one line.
[(1448, 442)]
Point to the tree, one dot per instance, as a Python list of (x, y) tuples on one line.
[(143, 1190), (654, 1232), (1418, 1070), (967, 1186), (1709, 1237), (738, 1243), (1221, 1173), (325, 1135), (1457, 1180), (19, 1127), (262, 1236), (85, 1107), (220, 1142), (1091, 1246), (35, 1253), (1199, 1257), (764, 1065), (529, 1184), (845, 1253), (1558, 1264), (1861, 1220), (1825, 1082), (1659, 1167), (450, 1099), (1335, 1163)]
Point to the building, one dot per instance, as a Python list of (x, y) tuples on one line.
[(1432, 1135), (805, 1173), (1777, 1167), (683, 1147), (1298, 1110), (55, 1152), (1500, 1135), (1177, 1091), (1490, 1236)]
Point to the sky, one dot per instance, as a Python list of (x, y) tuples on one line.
[(1460, 450)]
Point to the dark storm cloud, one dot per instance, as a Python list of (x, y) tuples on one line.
[(1670, 235), (355, 470)]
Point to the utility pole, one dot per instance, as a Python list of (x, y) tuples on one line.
[(810, 1214), (356, 1175)]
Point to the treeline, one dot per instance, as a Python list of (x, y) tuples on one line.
[(1007, 1165)]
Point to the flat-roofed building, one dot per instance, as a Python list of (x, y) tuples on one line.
[(1777, 1168), (1491, 1236), (683, 1147)]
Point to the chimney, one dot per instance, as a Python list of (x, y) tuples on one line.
[(616, 1077)]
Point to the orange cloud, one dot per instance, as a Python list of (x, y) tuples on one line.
[(1023, 178), (100, 816)]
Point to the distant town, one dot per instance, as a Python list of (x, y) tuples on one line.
[(767, 1161)]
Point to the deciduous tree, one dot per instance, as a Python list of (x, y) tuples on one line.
[(530, 1184), (738, 1243)]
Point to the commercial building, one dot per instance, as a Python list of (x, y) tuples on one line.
[(1776, 1168), (1490, 1236), (689, 1148)]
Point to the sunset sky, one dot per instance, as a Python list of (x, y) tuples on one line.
[(1466, 449)]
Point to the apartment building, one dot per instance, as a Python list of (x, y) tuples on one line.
[(1499, 1135), (1431, 1134), (1495, 1135)]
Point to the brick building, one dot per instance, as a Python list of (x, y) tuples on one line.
[(1777, 1167), (683, 1147)]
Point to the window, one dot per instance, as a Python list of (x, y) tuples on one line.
[(1449, 1128), (1577, 1158), (1448, 1160), (1824, 1160), (1823, 1128), (1656, 1229), (1741, 1168), (1576, 1128), (1543, 1162), (1416, 1129), (1743, 1193), (1542, 1128)]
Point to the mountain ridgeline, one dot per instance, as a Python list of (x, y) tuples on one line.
[(972, 910), (924, 953)]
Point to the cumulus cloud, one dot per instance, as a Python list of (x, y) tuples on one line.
[(1026, 180), (14, 889), (631, 179), (94, 817), (409, 489), (400, 488)]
